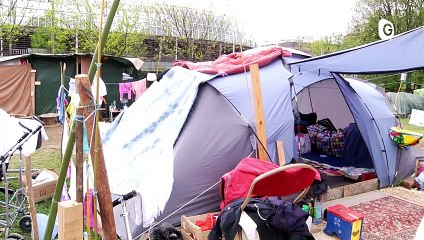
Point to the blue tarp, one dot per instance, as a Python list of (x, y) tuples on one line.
[(403, 52)]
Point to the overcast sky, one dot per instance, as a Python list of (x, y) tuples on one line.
[(273, 20)]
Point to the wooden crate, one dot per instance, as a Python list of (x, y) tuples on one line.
[(189, 227)]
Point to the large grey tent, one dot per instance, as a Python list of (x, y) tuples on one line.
[(218, 131)]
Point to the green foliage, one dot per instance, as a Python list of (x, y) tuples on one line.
[(81, 31), (53, 39), (10, 33)]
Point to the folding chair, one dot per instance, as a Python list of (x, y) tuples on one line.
[(283, 181)]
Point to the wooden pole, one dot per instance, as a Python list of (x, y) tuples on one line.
[(30, 196), (104, 195), (259, 111), (79, 158)]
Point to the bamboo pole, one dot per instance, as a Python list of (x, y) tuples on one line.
[(60, 182), (105, 33), (104, 195), (96, 121), (71, 140)]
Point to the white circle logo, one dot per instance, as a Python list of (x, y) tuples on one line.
[(386, 29)]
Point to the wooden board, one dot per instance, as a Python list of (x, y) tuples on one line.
[(259, 111), (70, 220), (281, 154), (351, 189), (360, 187)]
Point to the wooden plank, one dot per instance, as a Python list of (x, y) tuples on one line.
[(280, 152), (79, 155), (259, 111), (70, 220), (360, 187), (30, 196), (104, 195), (333, 193)]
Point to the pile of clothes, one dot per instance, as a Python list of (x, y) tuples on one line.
[(269, 218)]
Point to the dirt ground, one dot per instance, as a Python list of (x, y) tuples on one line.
[(55, 137)]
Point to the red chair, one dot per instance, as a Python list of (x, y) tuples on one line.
[(283, 181)]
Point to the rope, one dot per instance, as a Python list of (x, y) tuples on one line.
[(183, 206), (179, 209)]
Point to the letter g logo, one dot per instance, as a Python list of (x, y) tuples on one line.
[(386, 29)]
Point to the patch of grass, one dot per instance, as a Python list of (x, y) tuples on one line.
[(43, 158)]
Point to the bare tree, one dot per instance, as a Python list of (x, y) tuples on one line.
[(194, 32)]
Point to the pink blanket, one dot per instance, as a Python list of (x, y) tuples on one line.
[(237, 62)]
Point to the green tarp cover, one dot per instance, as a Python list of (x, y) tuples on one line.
[(419, 91), (48, 73), (403, 103)]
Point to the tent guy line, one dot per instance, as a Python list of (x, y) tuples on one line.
[(177, 210)]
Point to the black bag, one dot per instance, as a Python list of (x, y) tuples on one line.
[(326, 122), (311, 118)]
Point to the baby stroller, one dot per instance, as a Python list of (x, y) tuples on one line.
[(14, 200)]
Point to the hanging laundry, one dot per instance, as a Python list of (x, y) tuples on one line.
[(139, 87), (72, 87), (61, 103), (124, 88), (102, 89)]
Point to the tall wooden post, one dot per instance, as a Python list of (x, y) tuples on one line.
[(259, 111), (104, 195), (79, 158), (30, 196)]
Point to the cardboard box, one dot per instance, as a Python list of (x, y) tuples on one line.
[(43, 190)]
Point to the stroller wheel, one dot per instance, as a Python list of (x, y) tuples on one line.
[(25, 223), (14, 236)]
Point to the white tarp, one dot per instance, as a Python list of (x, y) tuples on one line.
[(417, 118), (140, 141)]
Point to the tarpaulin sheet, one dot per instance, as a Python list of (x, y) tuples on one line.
[(15, 89), (237, 62)]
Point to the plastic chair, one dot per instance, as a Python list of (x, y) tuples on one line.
[(283, 181)]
